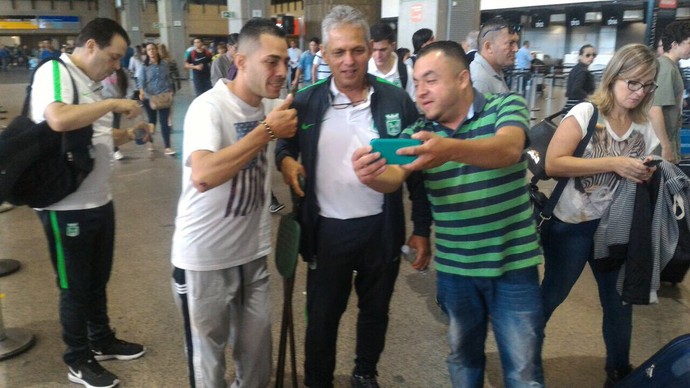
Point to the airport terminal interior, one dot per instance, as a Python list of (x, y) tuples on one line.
[(146, 188)]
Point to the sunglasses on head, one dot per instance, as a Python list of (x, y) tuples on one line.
[(500, 24)]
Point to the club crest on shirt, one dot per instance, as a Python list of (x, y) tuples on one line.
[(72, 230), (393, 124)]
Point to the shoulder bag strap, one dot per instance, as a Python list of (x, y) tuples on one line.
[(547, 211), (27, 98)]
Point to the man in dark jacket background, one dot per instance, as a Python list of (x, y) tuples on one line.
[(347, 226)]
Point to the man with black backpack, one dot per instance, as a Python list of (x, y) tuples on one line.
[(81, 227), (384, 61)]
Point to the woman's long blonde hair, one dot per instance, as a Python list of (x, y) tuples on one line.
[(627, 60)]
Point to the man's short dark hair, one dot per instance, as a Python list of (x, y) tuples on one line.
[(675, 32), (382, 31), (449, 48), (102, 31), (255, 27), (233, 39), (420, 37), (315, 40)]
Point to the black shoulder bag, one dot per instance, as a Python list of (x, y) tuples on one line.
[(541, 204), (39, 166)]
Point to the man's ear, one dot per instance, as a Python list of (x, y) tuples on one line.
[(240, 60), (91, 45)]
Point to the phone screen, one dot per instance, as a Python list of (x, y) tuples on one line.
[(388, 147)]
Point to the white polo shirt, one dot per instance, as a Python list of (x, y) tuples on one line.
[(340, 193), (52, 83)]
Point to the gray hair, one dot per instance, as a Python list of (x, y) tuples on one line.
[(471, 39), (343, 14)]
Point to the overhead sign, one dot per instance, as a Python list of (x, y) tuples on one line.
[(668, 4), (227, 14), (574, 17), (18, 23), (611, 15), (416, 13), (540, 19), (31, 22)]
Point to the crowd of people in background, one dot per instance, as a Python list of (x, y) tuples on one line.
[(468, 180)]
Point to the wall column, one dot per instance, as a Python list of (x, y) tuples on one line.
[(106, 9), (130, 18), (245, 10), (316, 10), (171, 16)]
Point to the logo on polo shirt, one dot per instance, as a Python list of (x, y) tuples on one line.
[(393, 124), (72, 230)]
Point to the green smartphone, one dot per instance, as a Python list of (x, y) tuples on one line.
[(387, 148)]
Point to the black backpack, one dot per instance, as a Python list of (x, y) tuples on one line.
[(39, 166), (402, 72)]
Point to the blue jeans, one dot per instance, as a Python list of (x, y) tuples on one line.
[(566, 250), (512, 303), (163, 115)]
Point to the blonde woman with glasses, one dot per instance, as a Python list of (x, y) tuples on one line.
[(617, 150)]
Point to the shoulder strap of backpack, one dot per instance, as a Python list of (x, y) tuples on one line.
[(402, 72), (27, 98), (547, 211)]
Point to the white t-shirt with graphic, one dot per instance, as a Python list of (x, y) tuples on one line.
[(587, 198), (230, 224)]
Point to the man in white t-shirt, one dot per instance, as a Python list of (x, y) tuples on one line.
[(320, 69), (384, 63), (80, 228), (223, 227), (294, 53)]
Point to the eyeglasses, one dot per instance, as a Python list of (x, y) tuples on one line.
[(344, 105), (593, 55), (634, 86)]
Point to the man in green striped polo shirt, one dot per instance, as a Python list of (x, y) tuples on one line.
[(487, 250)]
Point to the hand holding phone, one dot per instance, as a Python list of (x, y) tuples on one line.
[(388, 148), (652, 162)]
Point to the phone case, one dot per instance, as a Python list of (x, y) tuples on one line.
[(387, 148)]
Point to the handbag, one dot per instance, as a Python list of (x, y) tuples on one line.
[(161, 101), (40, 166), (540, 136), (542, 206)]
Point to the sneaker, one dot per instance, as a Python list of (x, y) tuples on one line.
[(149, 146), (118, 349), (6, 206), (91, 374), (117, 155), (170, 151), (276, 207), (363, 381), (613, 377)]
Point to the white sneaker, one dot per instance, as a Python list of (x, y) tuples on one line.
[(117, 155), (170, 151)]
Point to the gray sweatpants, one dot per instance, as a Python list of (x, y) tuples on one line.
[(220, 305)]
